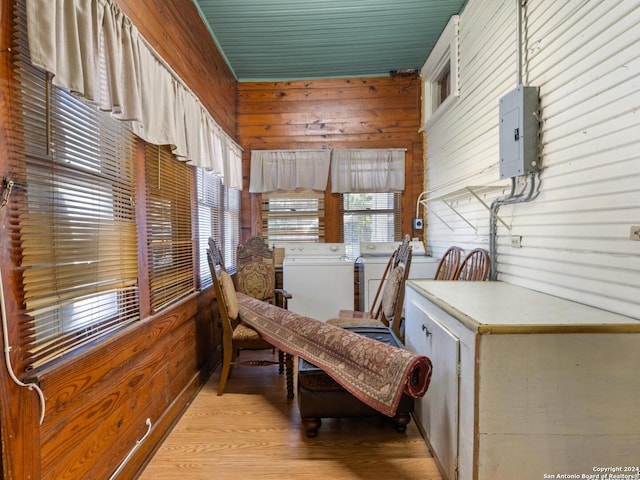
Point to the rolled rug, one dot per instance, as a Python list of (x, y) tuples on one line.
[(374, 372)]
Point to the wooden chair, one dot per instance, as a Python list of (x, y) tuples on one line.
[(236, 335), (475, 266), (256, 276), (449, 264), (386, 308)]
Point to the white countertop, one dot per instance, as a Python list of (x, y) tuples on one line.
[(498, 307)]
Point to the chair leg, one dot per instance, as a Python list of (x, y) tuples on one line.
[(228, 355), (281, 361), (289, 367)]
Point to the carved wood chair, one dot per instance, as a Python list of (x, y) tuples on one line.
[(449, 264), (236, 335), (256, 274), (386, 308), (475, 266)]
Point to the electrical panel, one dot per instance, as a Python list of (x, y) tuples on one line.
[(519, 132)]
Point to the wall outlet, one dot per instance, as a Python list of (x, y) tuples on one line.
[(516, 241), (634, 233)]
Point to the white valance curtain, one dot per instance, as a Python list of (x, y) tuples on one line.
[(91, 48), (273, 170), (367, 170)]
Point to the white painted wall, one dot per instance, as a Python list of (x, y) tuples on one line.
[(584, 55)]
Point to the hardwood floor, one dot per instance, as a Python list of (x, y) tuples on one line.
[(254, 431)]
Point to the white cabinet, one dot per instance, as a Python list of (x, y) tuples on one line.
[(524, 384), (438, 411)]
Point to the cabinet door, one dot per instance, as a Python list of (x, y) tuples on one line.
[(437, 411)]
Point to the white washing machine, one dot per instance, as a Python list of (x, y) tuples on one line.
[(373, 260), (319, 276)]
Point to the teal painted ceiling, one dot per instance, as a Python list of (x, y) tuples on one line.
[(299, 39)]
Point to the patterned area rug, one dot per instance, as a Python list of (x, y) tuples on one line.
[(374, 372)]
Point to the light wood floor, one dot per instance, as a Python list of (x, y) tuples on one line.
[(254, 431)]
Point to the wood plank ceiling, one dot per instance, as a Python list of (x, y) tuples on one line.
[(298, 39)]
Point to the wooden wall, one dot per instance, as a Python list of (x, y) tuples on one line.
[(339, 113), (97, 402)]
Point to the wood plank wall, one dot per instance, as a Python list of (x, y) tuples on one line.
[(339, 113), (97, 402)]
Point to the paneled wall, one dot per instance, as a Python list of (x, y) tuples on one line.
[(97, 402), (338, 113), (584, 57)]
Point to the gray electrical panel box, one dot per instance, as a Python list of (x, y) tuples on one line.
[(519, 132)]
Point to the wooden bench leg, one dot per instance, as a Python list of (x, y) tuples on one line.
[(400, 422), (311, 426)]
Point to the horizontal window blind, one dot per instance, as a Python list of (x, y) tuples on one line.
[(73, 214), (218, 217), (293, 216), (169, 235), (370, 217), (209, 190), (231, 227)]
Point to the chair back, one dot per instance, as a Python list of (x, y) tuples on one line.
[(216, 265), (449, 264), (256, 274), (475, 266), (389, 309)]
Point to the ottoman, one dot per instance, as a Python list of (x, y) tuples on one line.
[(319, 396)]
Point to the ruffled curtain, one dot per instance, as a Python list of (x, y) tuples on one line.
[(273, 170), (91, 48), (367, 170)]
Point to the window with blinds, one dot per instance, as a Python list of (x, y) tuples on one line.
[(293, 216), (168, 223), (72, 214), (218, 217), (231, 227), (370, 217)]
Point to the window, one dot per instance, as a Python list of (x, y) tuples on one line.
[(440, 73), (218, 217), (443, 85), (293, 216), (231, 227), (170, 262), (370, 217), (75, 224)]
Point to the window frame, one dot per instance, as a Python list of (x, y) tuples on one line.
[(441, 66)]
